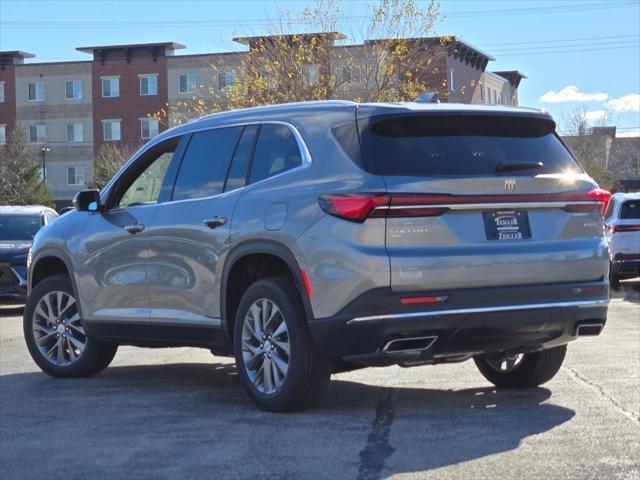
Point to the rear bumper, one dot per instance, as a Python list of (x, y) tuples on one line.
[(626, 268), (469, 322)]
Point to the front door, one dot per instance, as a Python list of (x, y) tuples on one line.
[(115, 244)]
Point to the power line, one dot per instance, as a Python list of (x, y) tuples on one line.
[(85, 24), (550, 52)]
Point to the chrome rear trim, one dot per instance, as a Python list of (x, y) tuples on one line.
[(461, 311), (489, 206)]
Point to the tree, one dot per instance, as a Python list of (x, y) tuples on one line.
[(108, 161), (20, 182), (397, 61), (591, 150)]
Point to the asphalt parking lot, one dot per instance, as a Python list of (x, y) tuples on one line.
[(181, 413)]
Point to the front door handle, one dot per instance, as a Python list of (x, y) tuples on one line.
[(214, 222), (133, 229)]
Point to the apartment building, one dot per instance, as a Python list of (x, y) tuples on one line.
[(70, 109)]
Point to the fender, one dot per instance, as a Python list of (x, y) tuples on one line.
[(269, 247), (62, 256)]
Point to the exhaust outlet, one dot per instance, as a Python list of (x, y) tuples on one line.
[(411, 344), (589, 329)]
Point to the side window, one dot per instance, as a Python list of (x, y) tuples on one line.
[(237, 177), (276, 152), (204, 165), (146, 186)]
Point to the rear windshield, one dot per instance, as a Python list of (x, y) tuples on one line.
[(463, 146), (630, 210), (19, 227)]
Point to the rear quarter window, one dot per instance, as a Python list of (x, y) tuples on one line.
[(436, 145)]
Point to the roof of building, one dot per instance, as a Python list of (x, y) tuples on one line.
[(171, 45), (514, 76), (17, 53), (289, 36)]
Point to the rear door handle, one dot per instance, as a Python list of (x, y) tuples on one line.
[(214, 222), (133, 229)]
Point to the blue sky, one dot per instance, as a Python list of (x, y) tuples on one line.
[(575, 53)]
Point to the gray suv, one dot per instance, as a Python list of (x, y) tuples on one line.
[(308, 239)]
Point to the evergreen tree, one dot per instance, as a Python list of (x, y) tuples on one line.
[(20, 182)]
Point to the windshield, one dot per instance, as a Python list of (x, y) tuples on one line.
[(464, 146), (19, 227)]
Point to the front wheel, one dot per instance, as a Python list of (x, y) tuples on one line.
[(280, 367), (54, 333), (522, 370)]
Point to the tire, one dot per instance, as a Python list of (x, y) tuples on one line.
[(534, 369), (614, 280), (43, 329), (307, 375)]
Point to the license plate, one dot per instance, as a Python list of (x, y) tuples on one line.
[(507, 225)]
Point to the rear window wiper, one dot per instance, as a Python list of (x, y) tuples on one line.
[(510, 167)]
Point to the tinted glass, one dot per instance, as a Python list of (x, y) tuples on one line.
[(463, 146), (276, 152), (630, 210), (237, 177), (205, 163), (19, 227)]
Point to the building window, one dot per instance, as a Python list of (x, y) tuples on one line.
[(111, 87), (3, 134), (225, 80), (75, 176), (36, 92), (311, 74), (111, 130), (37, 133), (187, 83), (452, 85), (352, 74), (74, 132), (1, 92), (481, 88), (149, 84), (148, 128), (73, 89)]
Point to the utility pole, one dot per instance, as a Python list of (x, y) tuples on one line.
[(44, 165)]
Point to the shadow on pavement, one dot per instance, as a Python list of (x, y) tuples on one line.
[(189, 420)]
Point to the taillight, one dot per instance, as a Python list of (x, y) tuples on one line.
[(354, 207), (624, 228), (601, 196)]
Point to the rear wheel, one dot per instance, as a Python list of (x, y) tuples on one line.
[(614, 280), (522, 370), (55, 336), (279, 365)]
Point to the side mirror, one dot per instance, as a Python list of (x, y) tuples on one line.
[(87, 201)]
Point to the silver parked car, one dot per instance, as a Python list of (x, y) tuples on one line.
[(311, 238)]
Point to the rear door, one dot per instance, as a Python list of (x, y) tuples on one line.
[(482, 200), (189, 234)]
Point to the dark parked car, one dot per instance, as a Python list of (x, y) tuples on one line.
[(18, 226), (311, 238)]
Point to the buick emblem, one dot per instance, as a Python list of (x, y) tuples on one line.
[(510, 184)]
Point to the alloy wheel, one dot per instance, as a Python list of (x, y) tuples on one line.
[(57, 330), (265, 346)]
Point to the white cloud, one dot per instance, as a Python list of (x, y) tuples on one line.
[(571, 93), (595, 115), (628, 103), (630, 133)]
